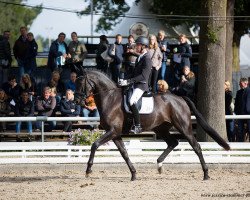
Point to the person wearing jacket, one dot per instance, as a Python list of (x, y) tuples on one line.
[(24, 108), (69, 109), (139, 80), (5, 55), (184, 52), (116, 52), (238, 109), (20, 50), (164, 47), (229, 111), (32, 53), (156, 57), (4, 109), (45, 106), (77, 53), (58, 53), (102, 64), (187, 84)]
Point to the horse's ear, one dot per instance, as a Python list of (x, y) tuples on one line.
[(82, 71)]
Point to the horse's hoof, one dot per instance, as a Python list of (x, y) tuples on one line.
[(133, 178), (206, 178), (87, 175), (160, 168)]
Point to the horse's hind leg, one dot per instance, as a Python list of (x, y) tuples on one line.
[(185, 127), (196, 146), (102, 140), (121, 147), (171, 141)]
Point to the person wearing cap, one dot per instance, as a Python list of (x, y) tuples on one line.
[(139, 79)]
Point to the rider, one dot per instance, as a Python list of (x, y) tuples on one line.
[(139, 80)]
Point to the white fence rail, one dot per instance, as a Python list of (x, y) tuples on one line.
[(139, 152), (85, 120)]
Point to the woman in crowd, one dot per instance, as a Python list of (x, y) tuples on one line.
[(103, 46), (156, 57), (187, 84), (32, 53), (162, 86), (58, 84), (27, 85)]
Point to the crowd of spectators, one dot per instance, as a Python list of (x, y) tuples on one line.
[(171, 71)]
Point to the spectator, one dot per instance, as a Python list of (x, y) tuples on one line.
[(130, 56), (6, 35), (101, 63), (90, 109), (116, 52), (32, 53), (71, 84), (12, 89), (69, 109), (77, 53), (162, 86), (24, 108), (45, 106), (58, 84), (4, 109), (57, 53), (238, 109), (164, 47), (5, 55), (156, 57), (229, 111), (27, 85), (246, 104), (184, 53), (187, 84), (20, 50)]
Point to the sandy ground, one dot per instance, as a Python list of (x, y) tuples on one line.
[(112, 181)]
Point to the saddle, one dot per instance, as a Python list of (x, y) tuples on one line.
[(145, 104)]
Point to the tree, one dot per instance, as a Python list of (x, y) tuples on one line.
[(110, 11), (229, 39), (12, 17), (211, 93)]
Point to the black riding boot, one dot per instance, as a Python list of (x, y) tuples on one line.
[(137, 126)]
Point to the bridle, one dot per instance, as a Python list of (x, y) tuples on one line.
[(83, 93)]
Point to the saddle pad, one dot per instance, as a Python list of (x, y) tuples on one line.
[(147, 105)]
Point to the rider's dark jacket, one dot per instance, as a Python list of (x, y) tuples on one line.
[(142, 72)]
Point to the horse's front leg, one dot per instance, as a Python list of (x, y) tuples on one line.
[(121, 147), (103, 139)]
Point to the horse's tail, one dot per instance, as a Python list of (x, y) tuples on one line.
[(206, 127)]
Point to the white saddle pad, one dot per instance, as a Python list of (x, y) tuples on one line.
[(147, 106)]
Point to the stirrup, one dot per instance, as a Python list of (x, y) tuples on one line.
[(136, 130)]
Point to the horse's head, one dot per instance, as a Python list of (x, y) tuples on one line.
[(84, 88)]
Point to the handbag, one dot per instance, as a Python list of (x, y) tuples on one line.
[(106, 56)]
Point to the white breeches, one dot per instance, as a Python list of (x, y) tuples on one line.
[(137, 93)]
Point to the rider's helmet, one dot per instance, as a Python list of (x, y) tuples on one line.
[(142, 40)]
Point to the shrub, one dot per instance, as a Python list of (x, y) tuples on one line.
[(83, 137)]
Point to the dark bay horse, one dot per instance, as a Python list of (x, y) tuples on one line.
[(170, 110)]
